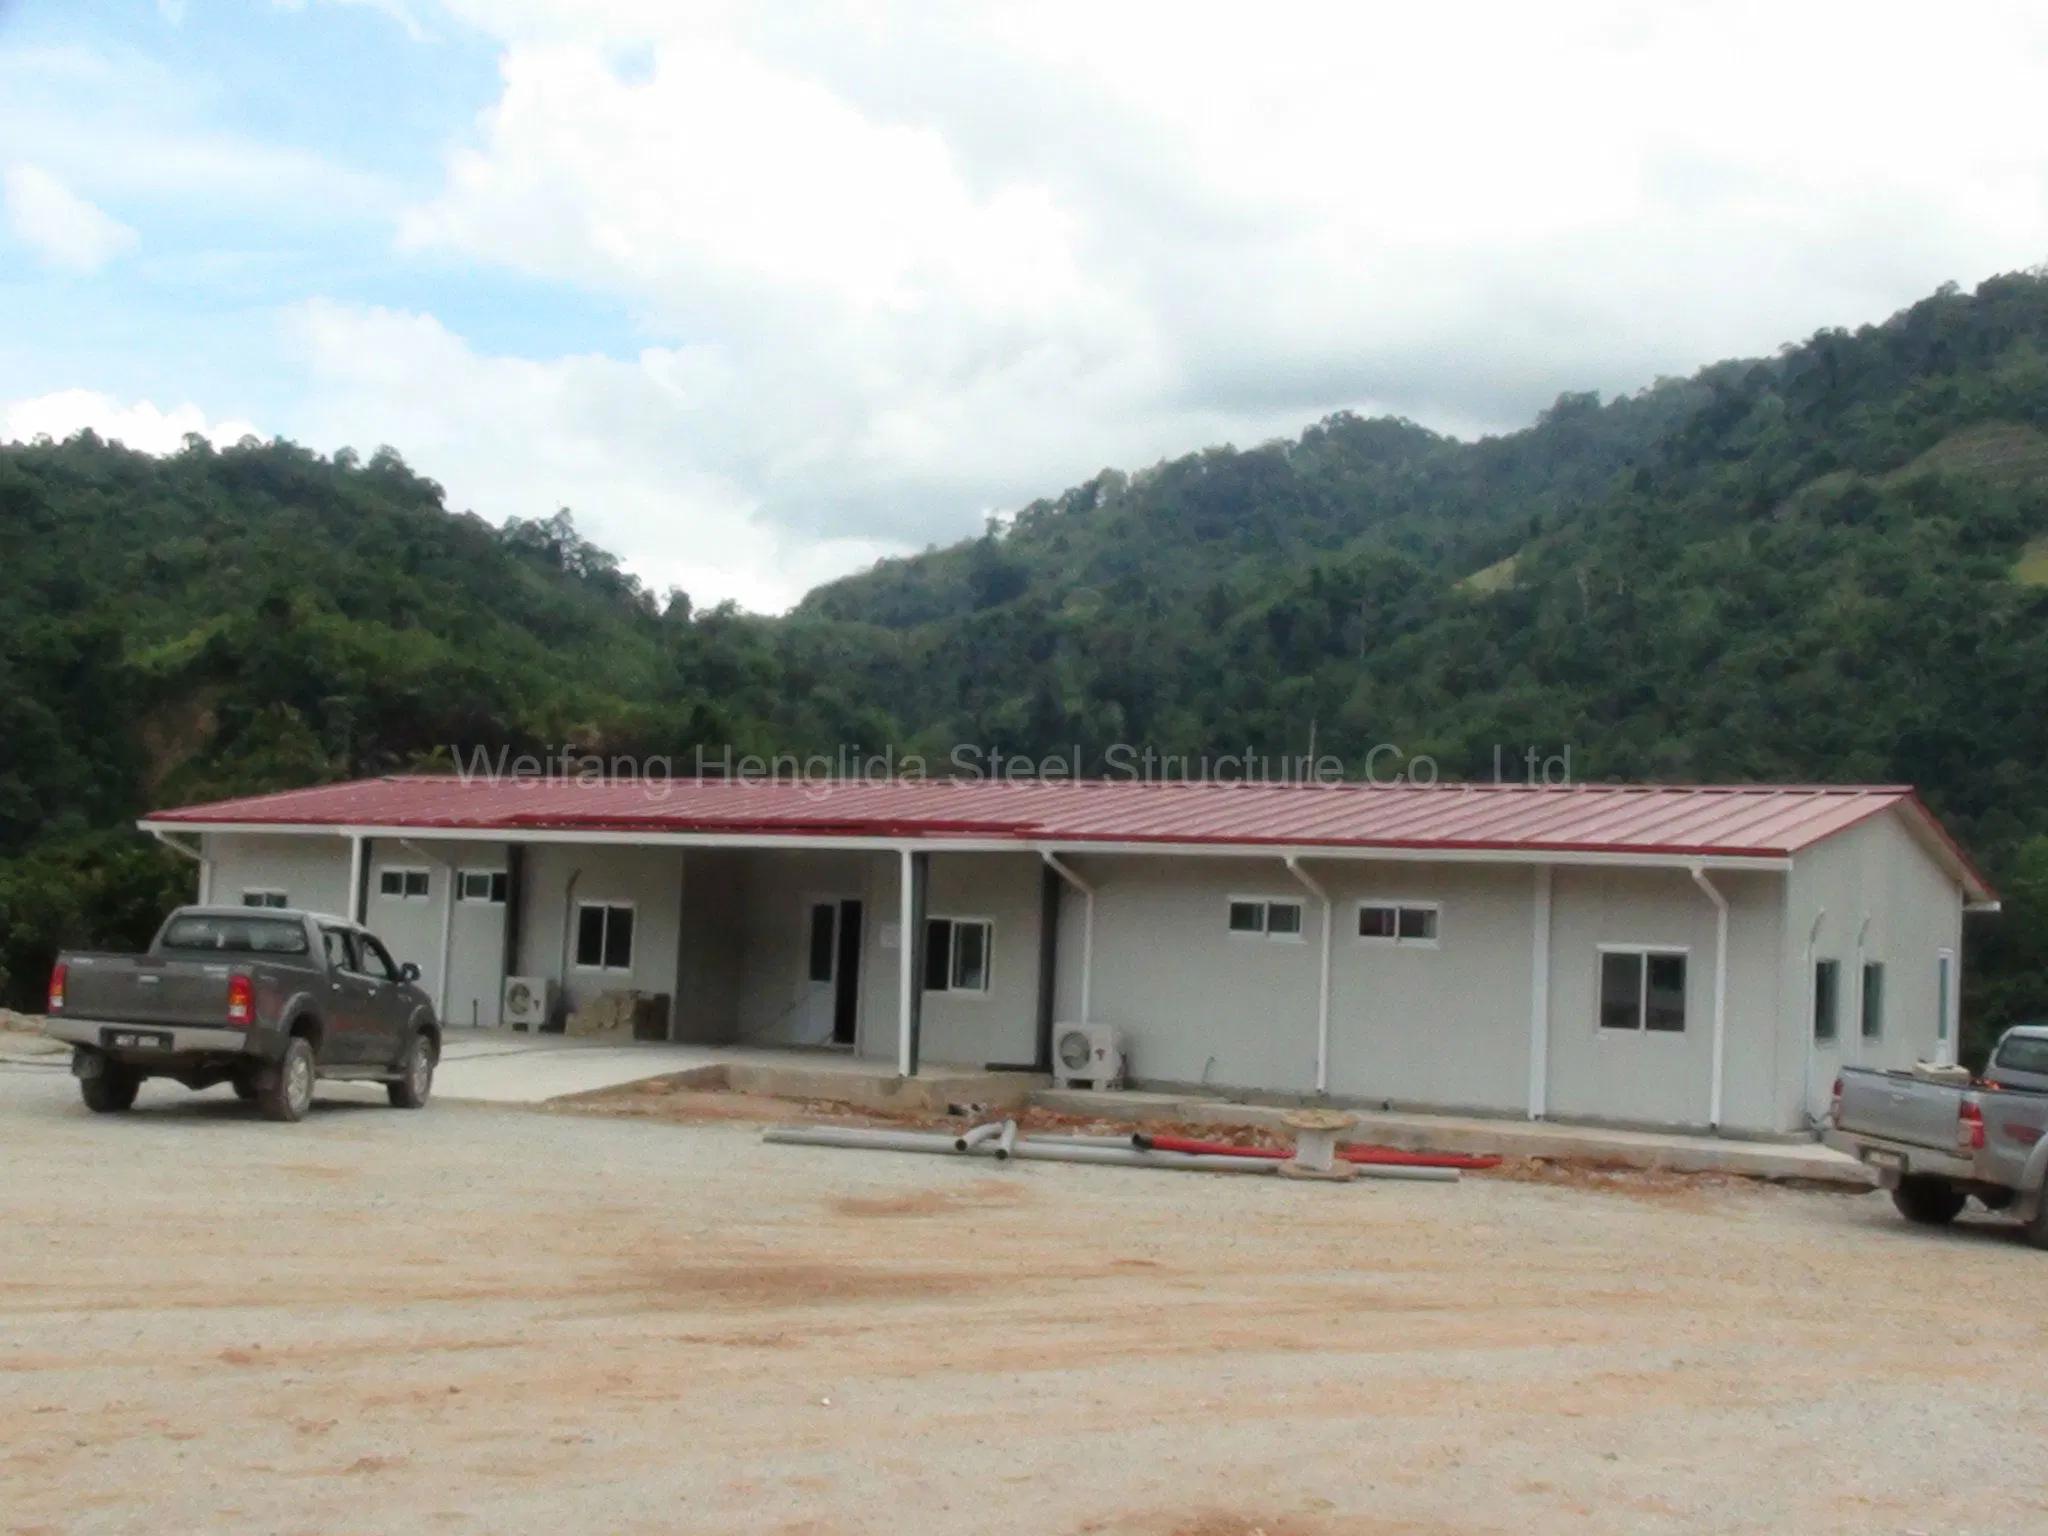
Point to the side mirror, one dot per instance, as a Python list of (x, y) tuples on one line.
[(408, 972)]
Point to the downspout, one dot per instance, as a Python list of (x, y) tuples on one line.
[(205, 864), (1720, 1051), (1323, 980), (1087, 929), (447, 925)]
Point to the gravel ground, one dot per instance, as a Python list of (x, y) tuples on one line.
[(482, 1319)]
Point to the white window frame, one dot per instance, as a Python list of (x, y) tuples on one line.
[(492, 878), (405, 872), (988, 956), (607, 906), (267, 897), (1398, 905), (1642, 1030), (1264, 933)]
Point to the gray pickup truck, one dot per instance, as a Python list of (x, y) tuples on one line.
[(1934, 1144), (267, 999)]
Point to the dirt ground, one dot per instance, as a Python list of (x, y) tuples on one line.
[(495, 1320)]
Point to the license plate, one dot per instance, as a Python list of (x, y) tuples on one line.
[(1877, 1158), (138, 1040)]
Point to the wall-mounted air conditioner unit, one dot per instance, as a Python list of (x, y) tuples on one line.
[(1089, 1054), (528, 1004)]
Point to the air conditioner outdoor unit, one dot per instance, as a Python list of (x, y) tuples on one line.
[(1087, 1053), (529, 1003)]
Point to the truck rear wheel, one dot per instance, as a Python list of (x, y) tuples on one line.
[(111, 1090), (1928, 1201), (289, 1093)]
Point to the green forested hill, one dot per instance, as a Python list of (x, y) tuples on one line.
[(1825, 565)]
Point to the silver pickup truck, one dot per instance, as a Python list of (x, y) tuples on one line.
[(264, 998), (1934, 1144)]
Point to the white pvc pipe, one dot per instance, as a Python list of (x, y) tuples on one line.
[(1032, 1149), (1539, 998), (978, 1135), (1323, 981), (1006, 1141)]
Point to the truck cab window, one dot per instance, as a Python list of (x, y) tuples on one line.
[(340, 953), (376, 960)]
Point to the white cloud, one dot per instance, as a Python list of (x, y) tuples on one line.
[(141, 425), (65, 229), (944, 260), (618, 442)]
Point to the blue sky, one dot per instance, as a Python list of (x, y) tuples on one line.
[(763, 290)]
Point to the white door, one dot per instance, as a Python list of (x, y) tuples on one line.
[(476, 950)]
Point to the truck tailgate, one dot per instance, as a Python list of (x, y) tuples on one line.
[(1897, 1106), (142, 989)]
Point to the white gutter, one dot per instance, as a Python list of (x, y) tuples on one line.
[(758, 841), (1087, 927), (1539, 999), (1323, 982), (1720, 1052), (447, 923), (205, 864)]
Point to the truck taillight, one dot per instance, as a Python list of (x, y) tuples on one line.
[(1835, 1105), (57, 987), (241, 1000), (1969, 1128)]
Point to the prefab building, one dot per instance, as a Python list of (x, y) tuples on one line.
[(1661, 956)]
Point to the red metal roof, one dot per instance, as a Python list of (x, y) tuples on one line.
[(1676, 821)]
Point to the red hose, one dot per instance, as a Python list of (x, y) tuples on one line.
[(1384, 1156)]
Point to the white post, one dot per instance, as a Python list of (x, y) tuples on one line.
[(447, 924), (905, 953), (1539, 999), (352, 905), (1323, 980), (1720, 1051), (1087, 929)]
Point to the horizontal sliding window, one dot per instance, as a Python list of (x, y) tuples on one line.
[(1261, 917), (1398, 922), (957, 951), (405, 884)]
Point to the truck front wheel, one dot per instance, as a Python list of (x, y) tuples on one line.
[(1927, 1201), (110, 1090)]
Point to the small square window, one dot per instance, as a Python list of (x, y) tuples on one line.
[(1247, 917), (1418, 923), (486, 885), (604, 937), (406, 884), (1378, 922), (957, 952), (1642, 991), (1283, 918)]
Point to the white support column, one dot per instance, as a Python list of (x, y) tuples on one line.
[(1323, 980), (905, 957), (1087, 930), (1719, 1069), (1539, 998), (352, 904)]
